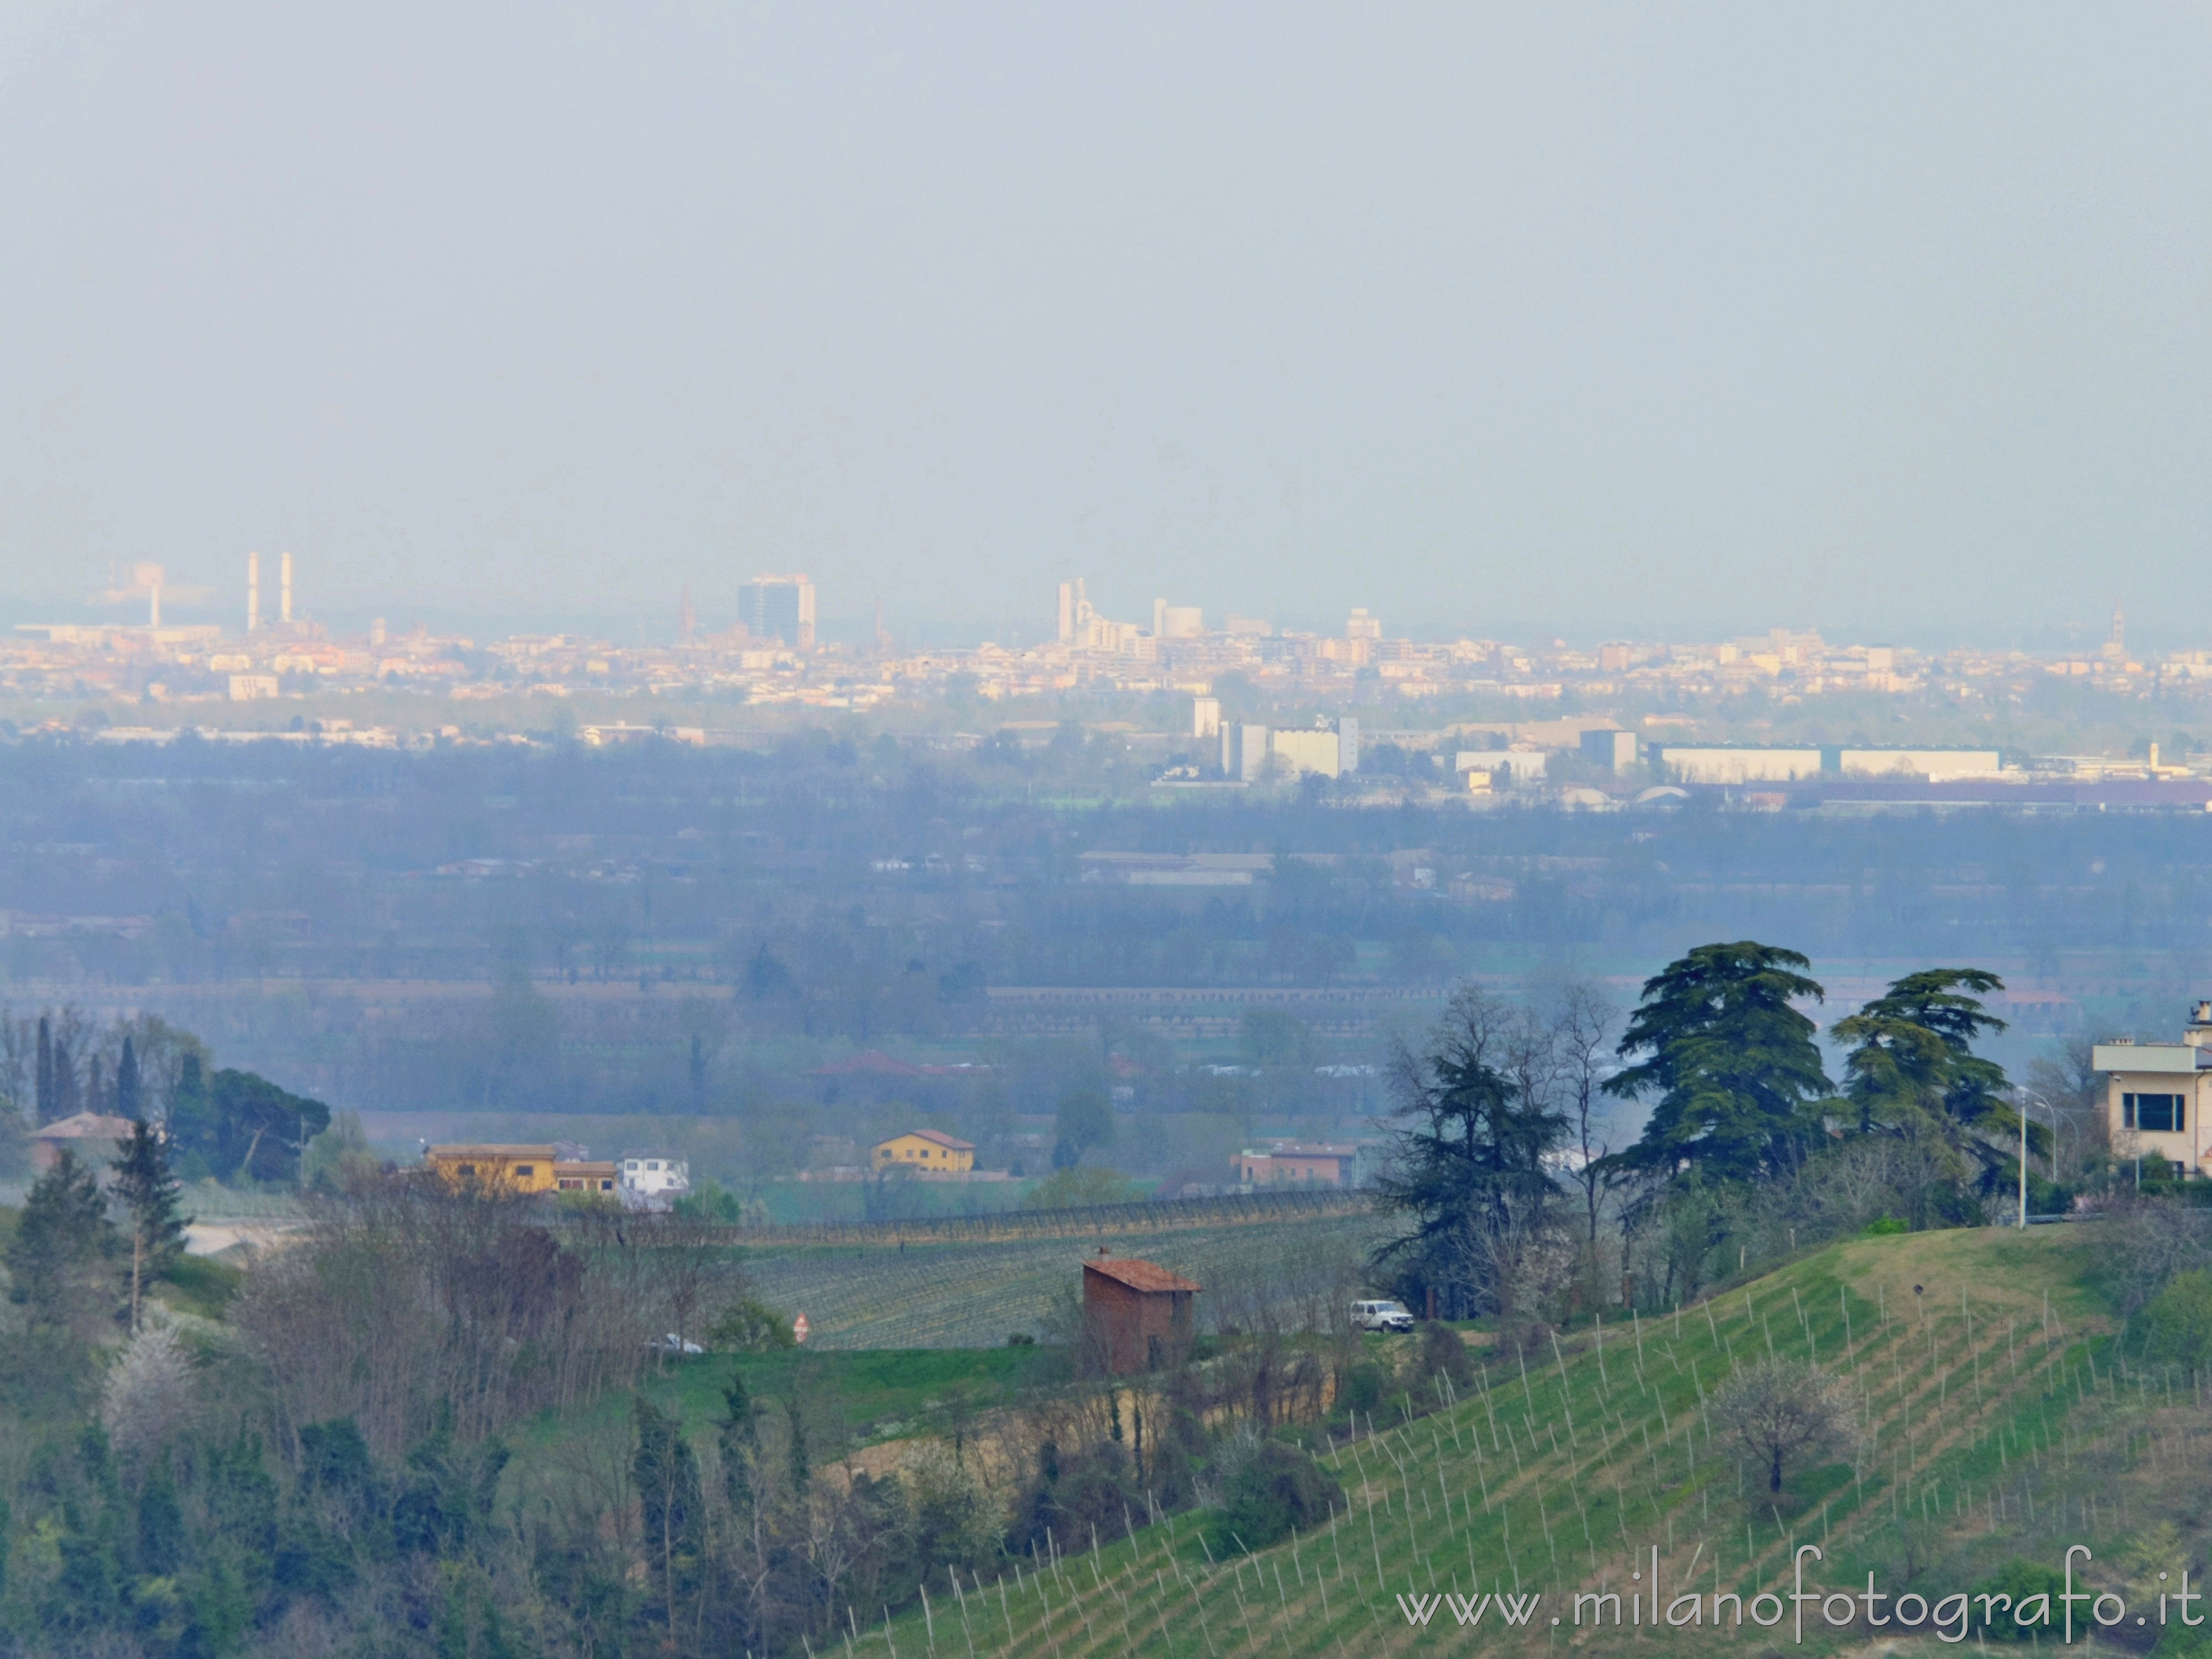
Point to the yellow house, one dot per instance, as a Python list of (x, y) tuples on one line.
[(928, 1152), (513, 1168)]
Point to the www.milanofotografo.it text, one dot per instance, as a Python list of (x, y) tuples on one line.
[(1951, 1618)]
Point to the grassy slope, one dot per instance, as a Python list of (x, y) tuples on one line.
[(2009, 1443)]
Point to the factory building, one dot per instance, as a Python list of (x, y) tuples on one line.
[(1737, 764)]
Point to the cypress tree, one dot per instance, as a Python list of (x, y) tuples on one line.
[(43, 1096), (666, 1472), (801, 1473), (66, 1087), (129, 1095), (95, 1087), (740, 1438)]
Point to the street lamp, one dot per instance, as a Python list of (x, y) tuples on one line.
[(2024, 1102)]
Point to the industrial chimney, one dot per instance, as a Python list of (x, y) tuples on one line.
[(253, 592), (284, 588)]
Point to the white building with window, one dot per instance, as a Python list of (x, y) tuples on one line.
[(2156, 1094), (652, 1181)]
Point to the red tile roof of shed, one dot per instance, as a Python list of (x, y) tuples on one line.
[(1138, 1275)]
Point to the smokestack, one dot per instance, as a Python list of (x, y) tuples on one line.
[(155, 620), (253, 592), (284, 588)]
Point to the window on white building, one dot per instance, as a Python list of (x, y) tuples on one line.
[(2154, 1114)]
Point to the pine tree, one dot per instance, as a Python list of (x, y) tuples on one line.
[(146, 1187), (59, 1239), (1912, 1069), (1733, 1065), (1471, 1172), (129, 1092)]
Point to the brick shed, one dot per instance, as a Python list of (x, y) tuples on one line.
[(1136, 1314)]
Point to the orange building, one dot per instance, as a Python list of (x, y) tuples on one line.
[(508, 1169)]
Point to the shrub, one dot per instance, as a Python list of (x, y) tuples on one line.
[(749, 1326), (2178, 1323), (1077, 1186), (1443, 1354), (1359, 1387), (1885, 1226), (1276, 1489), (2022, 1581)]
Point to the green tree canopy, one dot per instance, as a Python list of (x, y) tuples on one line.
[(239, 1124), (1732, 1064), (1912, 1069), (1085, 1119)]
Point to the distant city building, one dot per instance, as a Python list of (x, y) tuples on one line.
[(1303, 751), (1613, 750), (1361, 626), (1205, 717), (1178, 621), (1243, 752), (1732, 764), (779, 608)]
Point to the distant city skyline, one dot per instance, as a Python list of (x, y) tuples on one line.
[(1570, 320), (194, 597)]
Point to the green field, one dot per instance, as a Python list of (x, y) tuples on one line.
[(2000, 1424), (976, 1294)]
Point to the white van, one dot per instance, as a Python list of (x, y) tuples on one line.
[(1381, 1317)]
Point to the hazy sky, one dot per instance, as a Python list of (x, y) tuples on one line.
[(1605, 320)]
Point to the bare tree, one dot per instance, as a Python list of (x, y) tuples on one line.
[(1582, 1030), (2063, 1082), (1782, 1410)]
